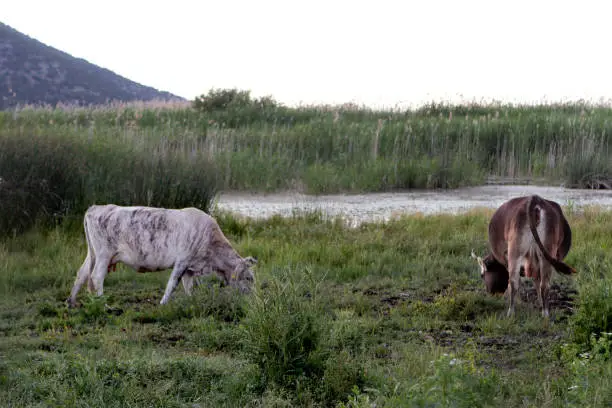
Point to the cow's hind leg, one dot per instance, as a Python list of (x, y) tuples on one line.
[(514, 270), (100, 270), (175, 276), (82, 275), (543, 287), (90, 284)]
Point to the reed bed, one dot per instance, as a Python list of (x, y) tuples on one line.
[(315, 149)]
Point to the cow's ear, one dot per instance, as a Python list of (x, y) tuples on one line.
[(477, 258), (250, 260)]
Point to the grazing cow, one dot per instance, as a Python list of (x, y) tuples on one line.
[(528, 233), (153, 239)]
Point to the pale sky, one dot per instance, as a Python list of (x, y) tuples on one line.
[(379, 53)]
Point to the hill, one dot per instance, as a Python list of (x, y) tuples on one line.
[(34, 73)]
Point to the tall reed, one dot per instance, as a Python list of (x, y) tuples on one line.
[(48, 176), (322, 149)]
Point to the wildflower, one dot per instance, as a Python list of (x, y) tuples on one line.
[(454, 361)]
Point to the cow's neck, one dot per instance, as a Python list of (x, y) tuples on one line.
[(225, 259)]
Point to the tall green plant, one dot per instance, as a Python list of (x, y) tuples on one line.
[(44, 178), (283, 329), (258, 144)]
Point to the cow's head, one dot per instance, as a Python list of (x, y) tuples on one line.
[(494, 274), (243, 276)]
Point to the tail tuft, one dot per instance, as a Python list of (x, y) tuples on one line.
[(564, 268)]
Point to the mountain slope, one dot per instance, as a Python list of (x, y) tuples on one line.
[(32, 72)]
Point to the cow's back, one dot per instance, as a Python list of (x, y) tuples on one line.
[(148, 236), (506, 217), (512, 217)]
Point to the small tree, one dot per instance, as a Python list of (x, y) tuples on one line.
[(222, 99), (233, 107)]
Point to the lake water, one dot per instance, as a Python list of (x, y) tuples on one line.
[(356, 208)]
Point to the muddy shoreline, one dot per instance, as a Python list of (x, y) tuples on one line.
[(357, 208)]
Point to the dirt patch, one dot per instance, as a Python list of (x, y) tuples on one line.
[(393, 299), (166, 338), (509, 352), (506, 352), (137, 298), (561, 296)]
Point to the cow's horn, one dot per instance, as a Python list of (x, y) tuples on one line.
[(476, 257)]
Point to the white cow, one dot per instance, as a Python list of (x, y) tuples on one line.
[(153, 239)]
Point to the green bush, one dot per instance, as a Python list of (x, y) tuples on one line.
[(593, 315), (222, 99), (45, 178), (94, 310), (283, 330), (455, 382), (589, 371), (233, 107)]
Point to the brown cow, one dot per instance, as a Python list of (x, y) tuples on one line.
[(529, 233)]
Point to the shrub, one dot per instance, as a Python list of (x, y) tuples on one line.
[(222, 99), (44, 178), (283, 330), (233, 107), (455, 383), (594, 310)]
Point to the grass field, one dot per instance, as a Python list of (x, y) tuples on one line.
[(389, 314)]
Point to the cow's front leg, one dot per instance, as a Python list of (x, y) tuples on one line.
[(177, 273), (188, 281)]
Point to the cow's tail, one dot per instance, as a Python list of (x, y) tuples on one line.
[(91, 255), (559, 265)]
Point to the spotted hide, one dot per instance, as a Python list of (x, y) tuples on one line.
[(528, 234), (153, 239)]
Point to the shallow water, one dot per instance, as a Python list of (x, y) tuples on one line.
[(357, 208)]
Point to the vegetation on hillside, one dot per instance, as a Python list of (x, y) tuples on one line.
[(34, 73)]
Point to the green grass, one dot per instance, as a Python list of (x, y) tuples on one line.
[(53, 177), (54, 163), (349, 148), (393, 314)]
